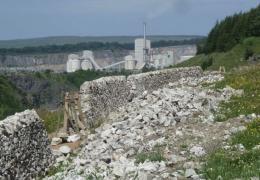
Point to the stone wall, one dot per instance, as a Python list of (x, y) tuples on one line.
[(157, 79), (24, 146), (100, 97)]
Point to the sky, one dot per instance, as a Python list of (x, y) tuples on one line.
[(41, 18)]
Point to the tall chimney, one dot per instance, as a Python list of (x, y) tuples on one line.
[(144, 35)]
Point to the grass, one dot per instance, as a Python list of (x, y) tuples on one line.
[(53, 120), (250, 137), (248, 80), (155, 155), (231, 164), (56, 169), (230, 59), (151, 156)]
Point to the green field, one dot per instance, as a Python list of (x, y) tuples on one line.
[(61, 40)]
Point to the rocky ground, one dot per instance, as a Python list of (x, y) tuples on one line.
[(160, 135)]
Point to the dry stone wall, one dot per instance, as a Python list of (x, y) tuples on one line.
[(100, 97), (157, 79), (24, 146)]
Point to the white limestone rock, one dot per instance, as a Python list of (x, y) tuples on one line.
[(65, 149)]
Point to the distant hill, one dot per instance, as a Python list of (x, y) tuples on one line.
[(61, 40)]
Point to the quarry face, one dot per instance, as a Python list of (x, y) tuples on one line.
[(57, 62)]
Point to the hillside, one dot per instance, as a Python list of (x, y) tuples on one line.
[(62, 40), (41, 90), (11, 98), (237, 56), (232, 30)]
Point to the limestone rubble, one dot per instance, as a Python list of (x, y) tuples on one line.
[(176, 121)]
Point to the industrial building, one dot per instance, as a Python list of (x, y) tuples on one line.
[(143, 56), (84, 62)]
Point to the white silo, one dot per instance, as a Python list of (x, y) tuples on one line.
[(73, 63), (130, 63), (158, 61), (88, 54), (86, 65)]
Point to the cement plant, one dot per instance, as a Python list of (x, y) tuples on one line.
[(142, 56)]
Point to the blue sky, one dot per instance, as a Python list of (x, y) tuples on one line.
[(40, 18)]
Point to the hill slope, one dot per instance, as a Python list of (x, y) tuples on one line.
[(11, 99), (234, 58)]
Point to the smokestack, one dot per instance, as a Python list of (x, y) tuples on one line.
[(144, 35)]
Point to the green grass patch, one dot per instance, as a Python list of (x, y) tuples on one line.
[(53, 120), (250, 137), (231, 164), (155, 155), (230, 59), (247, 79), (151, 156)]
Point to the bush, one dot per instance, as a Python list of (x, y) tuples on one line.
[(248, 53), (207, 63)]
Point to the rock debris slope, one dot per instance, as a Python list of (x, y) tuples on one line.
[(159, 135)]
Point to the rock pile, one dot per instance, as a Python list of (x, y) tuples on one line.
[(151, 137), (100, 97)]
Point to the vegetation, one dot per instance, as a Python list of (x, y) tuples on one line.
[(62, 40), (249, 138), (11, 99), (237, 56), (232, 164), (53, 120), (46, 92), (155, 155), (151, 156), (68, 48), (247, 79), (232, 30)]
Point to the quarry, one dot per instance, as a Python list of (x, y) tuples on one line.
[(155, 125), (133, 107), (143, 56)]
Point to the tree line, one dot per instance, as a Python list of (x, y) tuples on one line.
[(232, 30), (67, 48)]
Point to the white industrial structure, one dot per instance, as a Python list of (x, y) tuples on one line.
[(84, 62), (130, 63), (143, 56), (73, 64)]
